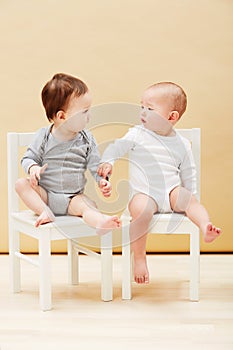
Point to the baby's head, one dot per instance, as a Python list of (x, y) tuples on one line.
[(167, 99), (60, 92)]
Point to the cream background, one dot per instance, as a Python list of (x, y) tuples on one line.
[(119, 48)]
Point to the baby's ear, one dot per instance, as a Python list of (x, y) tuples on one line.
[(174, 116), (60, 115)]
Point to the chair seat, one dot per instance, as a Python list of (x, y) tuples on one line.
[(62, 228), (172, 223)]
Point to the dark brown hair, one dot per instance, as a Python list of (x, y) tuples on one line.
[(57, 92)]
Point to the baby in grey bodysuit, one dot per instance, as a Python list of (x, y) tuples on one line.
[(60, 154)]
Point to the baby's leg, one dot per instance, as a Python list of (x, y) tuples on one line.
[(141, 210), (35, 199), (81, 205), (183, 201)]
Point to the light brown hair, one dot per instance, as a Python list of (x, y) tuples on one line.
[(175, 94)]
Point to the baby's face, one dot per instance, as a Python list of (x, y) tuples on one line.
[(77, 113), (155, 111)]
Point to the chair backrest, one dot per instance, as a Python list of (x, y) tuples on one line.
[(14, 142)]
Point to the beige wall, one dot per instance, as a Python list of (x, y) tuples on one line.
[(119, 48)]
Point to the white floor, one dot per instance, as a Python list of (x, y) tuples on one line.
[(160, 315)]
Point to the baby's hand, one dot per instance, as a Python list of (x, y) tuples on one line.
[(105, 187), (104, 170), (35, 171)]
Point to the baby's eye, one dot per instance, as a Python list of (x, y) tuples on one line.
[(150, 109), (86, 110), (142, 107)]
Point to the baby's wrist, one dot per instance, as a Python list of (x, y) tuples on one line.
[(29, 170)]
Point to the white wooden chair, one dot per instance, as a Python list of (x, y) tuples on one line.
[(64, 227), (159, 225)]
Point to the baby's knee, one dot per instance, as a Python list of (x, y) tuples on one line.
[(20, 185), (182, 200), (142, 207), (141, 213)]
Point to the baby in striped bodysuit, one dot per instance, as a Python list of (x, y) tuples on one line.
[(162, 170)]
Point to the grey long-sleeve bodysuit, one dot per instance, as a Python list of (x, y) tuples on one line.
[(67, 162)]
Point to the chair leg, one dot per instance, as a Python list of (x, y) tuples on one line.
[(106, 267), (73, 263), (126, 264), (14, 246), (45, 272), (194, 265)]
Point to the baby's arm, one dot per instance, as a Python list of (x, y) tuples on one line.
[(93, 161), (115, 151), (34, 154), (188, 171), (105, 187), (34, 173)]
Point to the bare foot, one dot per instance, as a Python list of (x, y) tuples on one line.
[(141, 273), (107, 224), (211, 233), (45, 217)]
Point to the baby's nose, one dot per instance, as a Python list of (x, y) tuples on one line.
[(143, 113)]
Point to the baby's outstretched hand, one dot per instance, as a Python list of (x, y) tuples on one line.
[(104, 169), (105, 188), (35, 172)]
